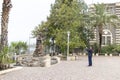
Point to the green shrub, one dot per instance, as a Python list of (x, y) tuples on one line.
[(117, 49), (108, 49), (4, 56), (5, 59)]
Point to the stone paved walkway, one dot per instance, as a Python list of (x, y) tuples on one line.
[(104, 68)]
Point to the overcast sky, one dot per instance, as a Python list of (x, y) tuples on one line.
[(26, 14)]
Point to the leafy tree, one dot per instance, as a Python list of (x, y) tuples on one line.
[(18, 47), (65, 15)]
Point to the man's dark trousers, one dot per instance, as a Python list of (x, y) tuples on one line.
[(90, 60)]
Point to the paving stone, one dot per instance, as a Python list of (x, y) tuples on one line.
[(104, 68)]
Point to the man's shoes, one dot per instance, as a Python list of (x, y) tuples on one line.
[(89, 65)]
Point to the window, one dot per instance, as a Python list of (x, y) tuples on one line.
[(106, 37), (108, 40), (103, 40)]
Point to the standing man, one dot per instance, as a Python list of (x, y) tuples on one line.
[(90, 51)]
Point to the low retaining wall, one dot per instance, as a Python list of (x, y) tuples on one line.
[(9, 70)]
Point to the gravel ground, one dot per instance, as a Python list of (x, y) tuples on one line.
[(104, 68)]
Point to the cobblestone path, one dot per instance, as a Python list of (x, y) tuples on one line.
[(104, 68)]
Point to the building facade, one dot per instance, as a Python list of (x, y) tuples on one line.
[(111, 34)]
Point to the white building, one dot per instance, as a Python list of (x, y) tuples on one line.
[(111, 35)]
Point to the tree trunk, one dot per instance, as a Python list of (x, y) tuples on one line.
[(100, 42), (4, 22), (100, 38)]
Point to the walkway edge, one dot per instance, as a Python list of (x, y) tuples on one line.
[(9, 70)]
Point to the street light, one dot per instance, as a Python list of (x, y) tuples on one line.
[(54, 46), (50, 46), (68, 35)]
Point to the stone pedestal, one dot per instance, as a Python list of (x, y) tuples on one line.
[(45, 61)]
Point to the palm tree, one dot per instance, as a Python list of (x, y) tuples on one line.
[(4, 58), (18, 47), (101, 18), (6, 6)]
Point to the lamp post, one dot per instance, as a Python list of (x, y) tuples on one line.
[(50, 46), (54, 47), (68, 35)]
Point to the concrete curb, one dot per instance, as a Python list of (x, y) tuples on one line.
[(9, 70)]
